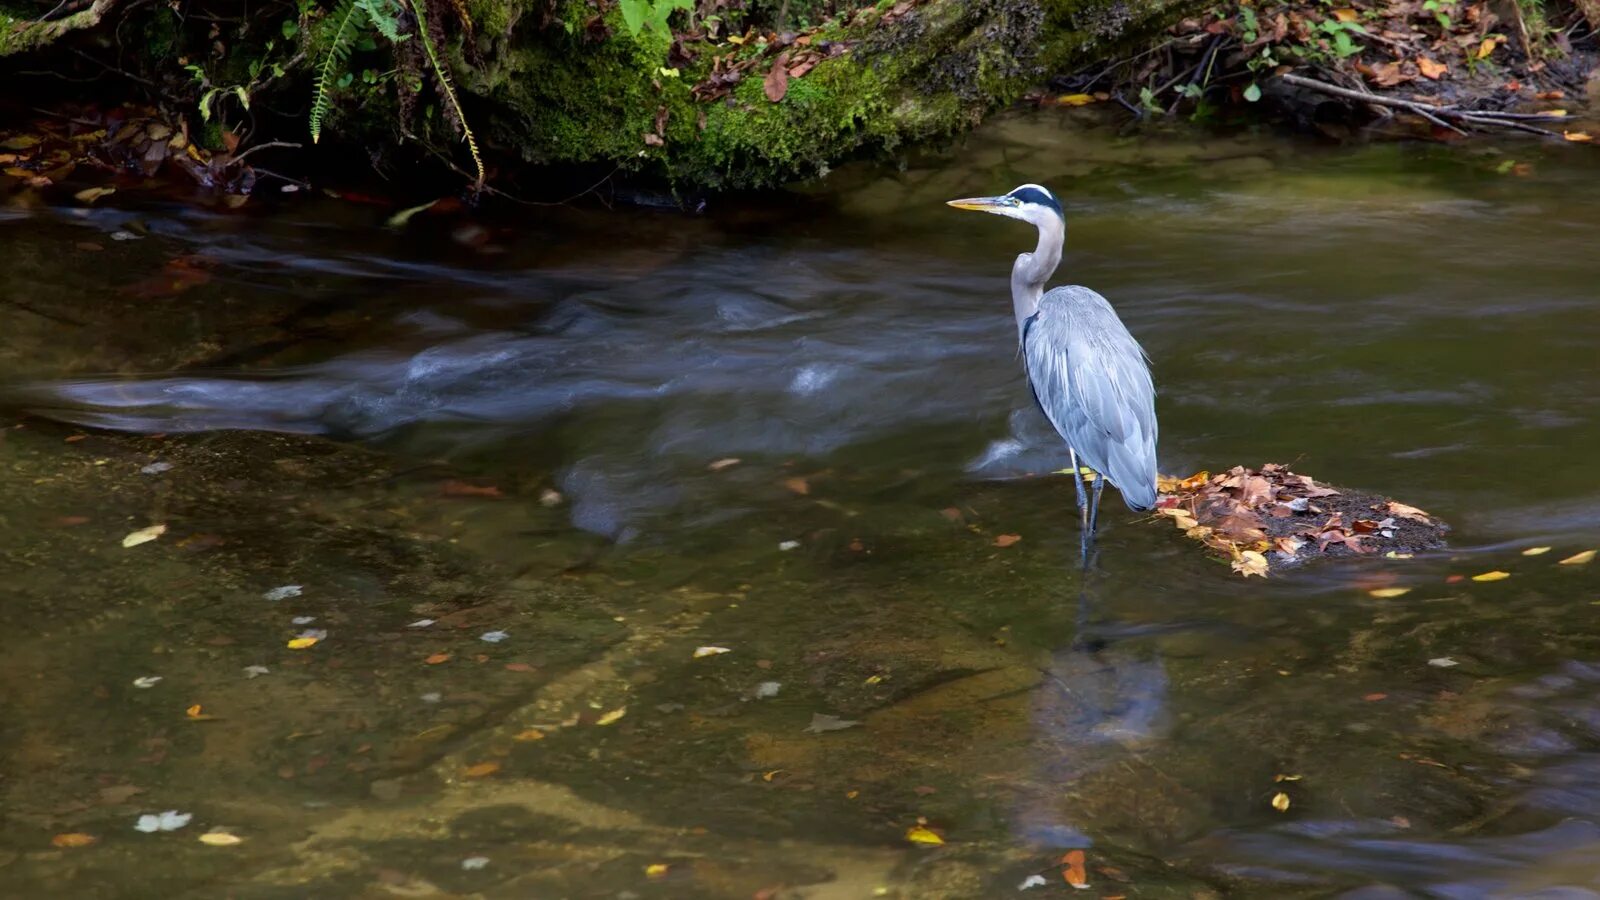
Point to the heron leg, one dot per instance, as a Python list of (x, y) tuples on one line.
[(1094, 504), (1083, 507)]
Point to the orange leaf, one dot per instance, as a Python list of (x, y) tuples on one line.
[(1431, 70), (1550, 95), (437, 658), (1578, 137), (1074, 873), (776, 84), (482, 770), (1346, 15), (193, 712), (798, 485), (1488, 45), (73, 839), (1006, 540)]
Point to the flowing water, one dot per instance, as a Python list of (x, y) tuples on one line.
[(526, 481)]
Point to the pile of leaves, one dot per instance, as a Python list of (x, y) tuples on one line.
[(1456, 65), (1258, 519), (92, 150)]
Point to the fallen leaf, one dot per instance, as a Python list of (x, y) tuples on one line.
[(776, 84), (1075, 99), (528, 735), (144, 535), (1280, 778), (1375, 697), (1550, 95), (1488, 46), (700, 652), (1006, 540), (144, 682), (1496, 575), (1536, 551), (493, 637), (1074, 874), (220, 839), (655, 870), (1386, 593), (920, 834), (1431, 70), (1250, 562), (437, 658), (1442, 662), (1280, 801), (612, 716), (1578, 559), (821, 722), (482, 770), (73, 839), (797, 485), (171, 820), (1578, 137), (455, 488), (193, 712), (518, 667), (474, 863), (90, 195), (301, 643), (727, 463), (1346, 15)]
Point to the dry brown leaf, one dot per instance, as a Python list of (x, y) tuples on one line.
[(73, 839), (1006, 540), (1250, 562), (1431, 70), (797, 485), (776, 84), (481, 770), (1578, 137), (437, 658)]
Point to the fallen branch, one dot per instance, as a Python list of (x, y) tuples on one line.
[(1435, 114)]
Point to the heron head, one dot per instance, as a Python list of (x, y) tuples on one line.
[(1030, 203)]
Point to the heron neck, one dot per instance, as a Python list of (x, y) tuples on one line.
[(1032, 270)]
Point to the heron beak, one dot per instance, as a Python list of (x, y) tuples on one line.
[(983, 204)]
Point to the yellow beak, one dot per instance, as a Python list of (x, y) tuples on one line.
[(982, 204)]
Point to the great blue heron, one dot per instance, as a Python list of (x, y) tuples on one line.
[(1088, 375)]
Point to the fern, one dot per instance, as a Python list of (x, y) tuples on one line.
[(342, 27), (446, 88), (385, 17)]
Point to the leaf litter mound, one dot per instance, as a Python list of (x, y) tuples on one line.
[(1273, 517)]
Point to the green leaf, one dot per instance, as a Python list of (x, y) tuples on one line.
[(633, 14), (290, 28), (205, 103), (1253, 92), (244, 97)]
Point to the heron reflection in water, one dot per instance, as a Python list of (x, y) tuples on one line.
[(1087, 373)]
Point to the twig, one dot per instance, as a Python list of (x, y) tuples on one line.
[(266, 146), (1432, 113)]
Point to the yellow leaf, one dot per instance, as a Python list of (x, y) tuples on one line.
[(1386, 593), (1578, 559), (918, 834), (655, 870), (612, 716), (1536, 551), (1280, 778), (301, 643), (144, 535), (1251, 562), (1487, 47), (735, 39), (90, 195), (768, 776), (220, 839), (667, 73), (1554, 113), (701, 652), (1492, 576), (193, 712), (73, 839), (528, 734), (1431, 70), (1280, 801), (1075, 99), (1346, 15), (482, 770), (1578, 137)]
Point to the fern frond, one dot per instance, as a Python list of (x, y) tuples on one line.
[(447, 88), (341, 27), (385, 17)]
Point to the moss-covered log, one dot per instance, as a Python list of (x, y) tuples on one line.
[(721, 99)]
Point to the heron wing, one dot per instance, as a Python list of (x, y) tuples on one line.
[(1092, 380)]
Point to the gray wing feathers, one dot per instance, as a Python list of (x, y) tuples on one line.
[(1093, 381)]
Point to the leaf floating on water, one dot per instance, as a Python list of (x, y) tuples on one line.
[(1074, 872), (220, 839), (195, 712), (1578, 559), (1075, 99), (528, 734), (788, 545), (1280, 801), (144, 535), (420, 623), (1442, 662), (301, 643), (90, 195), (145, 682), (656, 870), (1006, 540), (171, 820), (493, 637), (482, 770), (474, 863), (1386, 593), (73, 839), (1250, 562), (437, 658), (1578, 137), (797, 485), (1496, 575), (921, 834), (612, 716), (399, 219), (1032, 881), (821, 722), (702, 652), (256, 671), (726, 463), (1536, 551), (1280, 778)]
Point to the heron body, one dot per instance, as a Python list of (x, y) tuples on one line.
[(1089, 376)]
